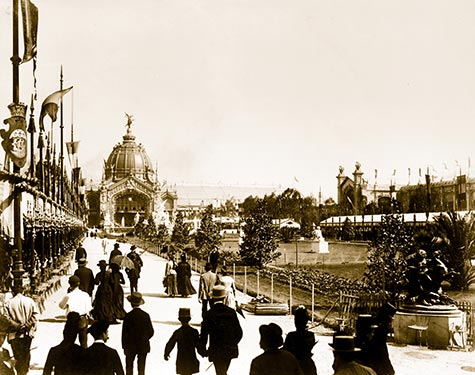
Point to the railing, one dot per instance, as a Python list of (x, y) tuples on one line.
[(468, 309)]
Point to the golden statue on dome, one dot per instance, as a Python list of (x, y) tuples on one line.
[(130, 120)]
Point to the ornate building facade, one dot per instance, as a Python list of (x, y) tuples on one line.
[(130, 188)]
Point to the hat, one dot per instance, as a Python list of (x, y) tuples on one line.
[(301, 314), (344, 344), (74, 280), (219, 292), (82, 261), (97, 328), (271, 336), (116, 245), (102, 262), (135, 298), (184, 312), (133, 247)]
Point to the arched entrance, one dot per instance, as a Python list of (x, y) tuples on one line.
[(127, 205)]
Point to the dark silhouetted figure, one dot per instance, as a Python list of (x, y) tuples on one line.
[(377, 355), (100, 359), (301, 342), (134, 273), (183, 278), (65, 358), (80, 253), (137, 330), (221, 325), (345, 357), (187, 339), (274, 360), (86, 277)]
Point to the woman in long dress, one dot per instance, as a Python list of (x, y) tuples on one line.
[(183, 278), (228, 283), (102, 305), (116, 281), (170, 276)]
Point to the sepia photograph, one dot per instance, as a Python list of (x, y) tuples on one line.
[(237, 187)]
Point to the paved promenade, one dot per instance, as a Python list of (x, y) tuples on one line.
[(407, 360)]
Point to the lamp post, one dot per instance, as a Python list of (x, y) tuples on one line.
[(297, 252)]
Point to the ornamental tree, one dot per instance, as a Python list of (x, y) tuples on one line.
[(260, 240), (386, 256), (181, 233), (207, 237)]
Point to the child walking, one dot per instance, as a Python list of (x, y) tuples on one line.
[(188, 342)]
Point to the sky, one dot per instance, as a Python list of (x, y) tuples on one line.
[(266, 92)]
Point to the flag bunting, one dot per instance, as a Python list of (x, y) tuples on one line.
[(50, 106)]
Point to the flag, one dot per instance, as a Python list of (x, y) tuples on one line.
[(50, 106), (394, 172), (72, 148), (375, 174), (29, 13), (295, 179)]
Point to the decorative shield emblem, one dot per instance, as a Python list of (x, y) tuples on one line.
[(14, 140)]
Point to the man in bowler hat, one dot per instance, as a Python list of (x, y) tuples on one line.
[(221, 325), (77, 302), (274, 360), (100, 359), (86, 277), (345, 355), (80, 253), (137, 330)]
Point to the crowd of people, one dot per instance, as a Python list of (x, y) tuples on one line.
[(93, 302)]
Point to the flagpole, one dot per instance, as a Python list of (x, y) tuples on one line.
[(17, 219), (31, 129), (15, 58), (61, 147)]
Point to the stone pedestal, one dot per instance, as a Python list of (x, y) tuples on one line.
[(438, 319)]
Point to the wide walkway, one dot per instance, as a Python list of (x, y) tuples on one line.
[(407, 360)]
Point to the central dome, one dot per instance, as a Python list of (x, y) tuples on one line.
[(128, 159)]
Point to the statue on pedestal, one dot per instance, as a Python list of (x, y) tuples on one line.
[(424, 277)]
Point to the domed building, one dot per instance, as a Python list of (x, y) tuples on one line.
[(130, 189)]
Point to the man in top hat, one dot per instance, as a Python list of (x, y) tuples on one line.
[(188, 340), (86, 277), (77, 302), (116, 251), (377, 353), (221, 325), (344, 354), (274, 360), (100, 359), (137, 330)]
